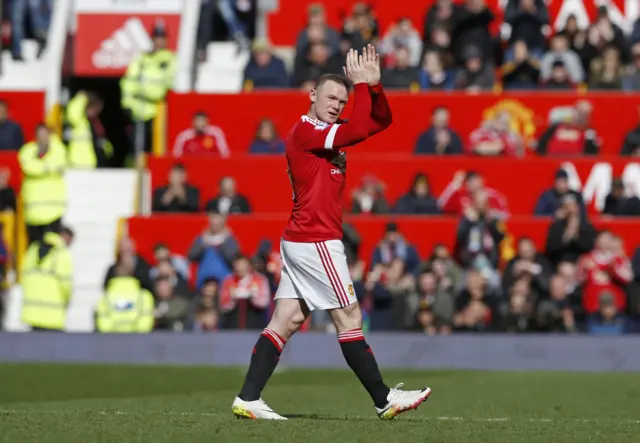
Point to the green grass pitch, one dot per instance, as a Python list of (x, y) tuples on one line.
[(125, 404)]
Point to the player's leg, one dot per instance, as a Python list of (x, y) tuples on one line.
[(359, 356)]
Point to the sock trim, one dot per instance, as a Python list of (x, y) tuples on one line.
[(275, 338), (352, 335)]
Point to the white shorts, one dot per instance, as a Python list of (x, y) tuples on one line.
[(316, 273)]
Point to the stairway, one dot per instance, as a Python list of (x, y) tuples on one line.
[(97, 201)]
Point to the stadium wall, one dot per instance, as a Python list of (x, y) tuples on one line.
[(316, 350)]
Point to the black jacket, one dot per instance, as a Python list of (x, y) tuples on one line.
[(526, 26), (557, 250), (239, 205), (190, 204)]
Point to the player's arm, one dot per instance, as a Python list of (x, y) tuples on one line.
[(381, 117), (340, 135)]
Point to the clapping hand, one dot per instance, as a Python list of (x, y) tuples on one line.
[(364, 68), (371, 62)]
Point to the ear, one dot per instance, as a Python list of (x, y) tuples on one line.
[(313, 95)]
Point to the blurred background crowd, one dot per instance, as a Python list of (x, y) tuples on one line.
[(583, 279)]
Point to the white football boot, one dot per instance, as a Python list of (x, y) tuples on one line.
[(254, 410), (400, 401)]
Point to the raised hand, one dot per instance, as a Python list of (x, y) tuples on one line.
[(354, 69), (371, 61)]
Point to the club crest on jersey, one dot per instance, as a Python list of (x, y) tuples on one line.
[(351, 293)]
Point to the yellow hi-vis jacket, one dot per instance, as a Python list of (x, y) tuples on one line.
[(146, 82), (44, 192), (125, 308), (46, 283), (82, 152)]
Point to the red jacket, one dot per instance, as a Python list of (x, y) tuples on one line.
[(607, 273), (487, 134), (455, 200), (254, 287), (211, 142)]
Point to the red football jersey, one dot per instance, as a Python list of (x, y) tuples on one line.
[(317, 164)]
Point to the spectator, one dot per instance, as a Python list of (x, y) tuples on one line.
[(444, 267), (11, 138), (439, 139), (437, 304), (244, 297), (7, 194), (172, 308), (555, 313), (585, 46), (206, 319), (608, 33), (267, 140), (616, 198), (392, 246), (476, 75), (570, 235), (605, 270), (572, 31), (178, 195), (474, 305), (393, 296), (560, 51), (631, 81), (471, 29), (441, 15), (228, 201), (318, 62), (369, 197), (39, 13), (528, 266), (518, 312), (607, 71), (403, 35), (630, 205), (459, 193), (317, 30), (559, 79), (268, 262), (440, 38), (527, 19), (213, 250), (165, 269), (607, 320), (551, 200), (631, 147), (360, 29), (478, 240), (264, 70), (161, 253), (402, 75), (434, 76), (419, 199), (495, 138), (201, 139), (523, 70), (208, 297), (130, 264), (572, 137)]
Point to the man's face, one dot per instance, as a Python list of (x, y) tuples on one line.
[(317, 18), (474, 183), (94, 110), (561, 185), (604, 242), (392, 237), (557, 287), (319, 54), (4, 113), (404, 27), (228, 187), (427, 282), (328, 101), (527, 250), (161, 254), (441, 119), (164, 290), (200, 122), (177, 176), (559, 44), (216, 222), (209, 289), (422, 188), (42, 137), (241, 267), (474, 64), (159, 42), (559, 74), (402, 58)]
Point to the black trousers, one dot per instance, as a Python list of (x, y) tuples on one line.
[(36, 232)]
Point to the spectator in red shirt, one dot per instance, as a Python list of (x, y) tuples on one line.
[(244, 298), (572, 137), (495, 138), (201, 139), (458, 195), (606, 269)]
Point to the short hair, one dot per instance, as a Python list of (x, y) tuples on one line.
[(178, 167), (42, 125), (65, 230), (200, 114), (159, 246), (336, 78), (440, 108), (470, 175)]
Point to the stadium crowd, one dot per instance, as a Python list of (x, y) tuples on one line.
[(582, 281)]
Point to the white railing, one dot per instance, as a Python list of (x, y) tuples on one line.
[(54, 54), (187, 46)]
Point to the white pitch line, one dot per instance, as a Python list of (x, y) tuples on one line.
[(209, 414)]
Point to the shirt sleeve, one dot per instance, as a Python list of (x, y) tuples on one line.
[(381, 116), (340, 135)]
